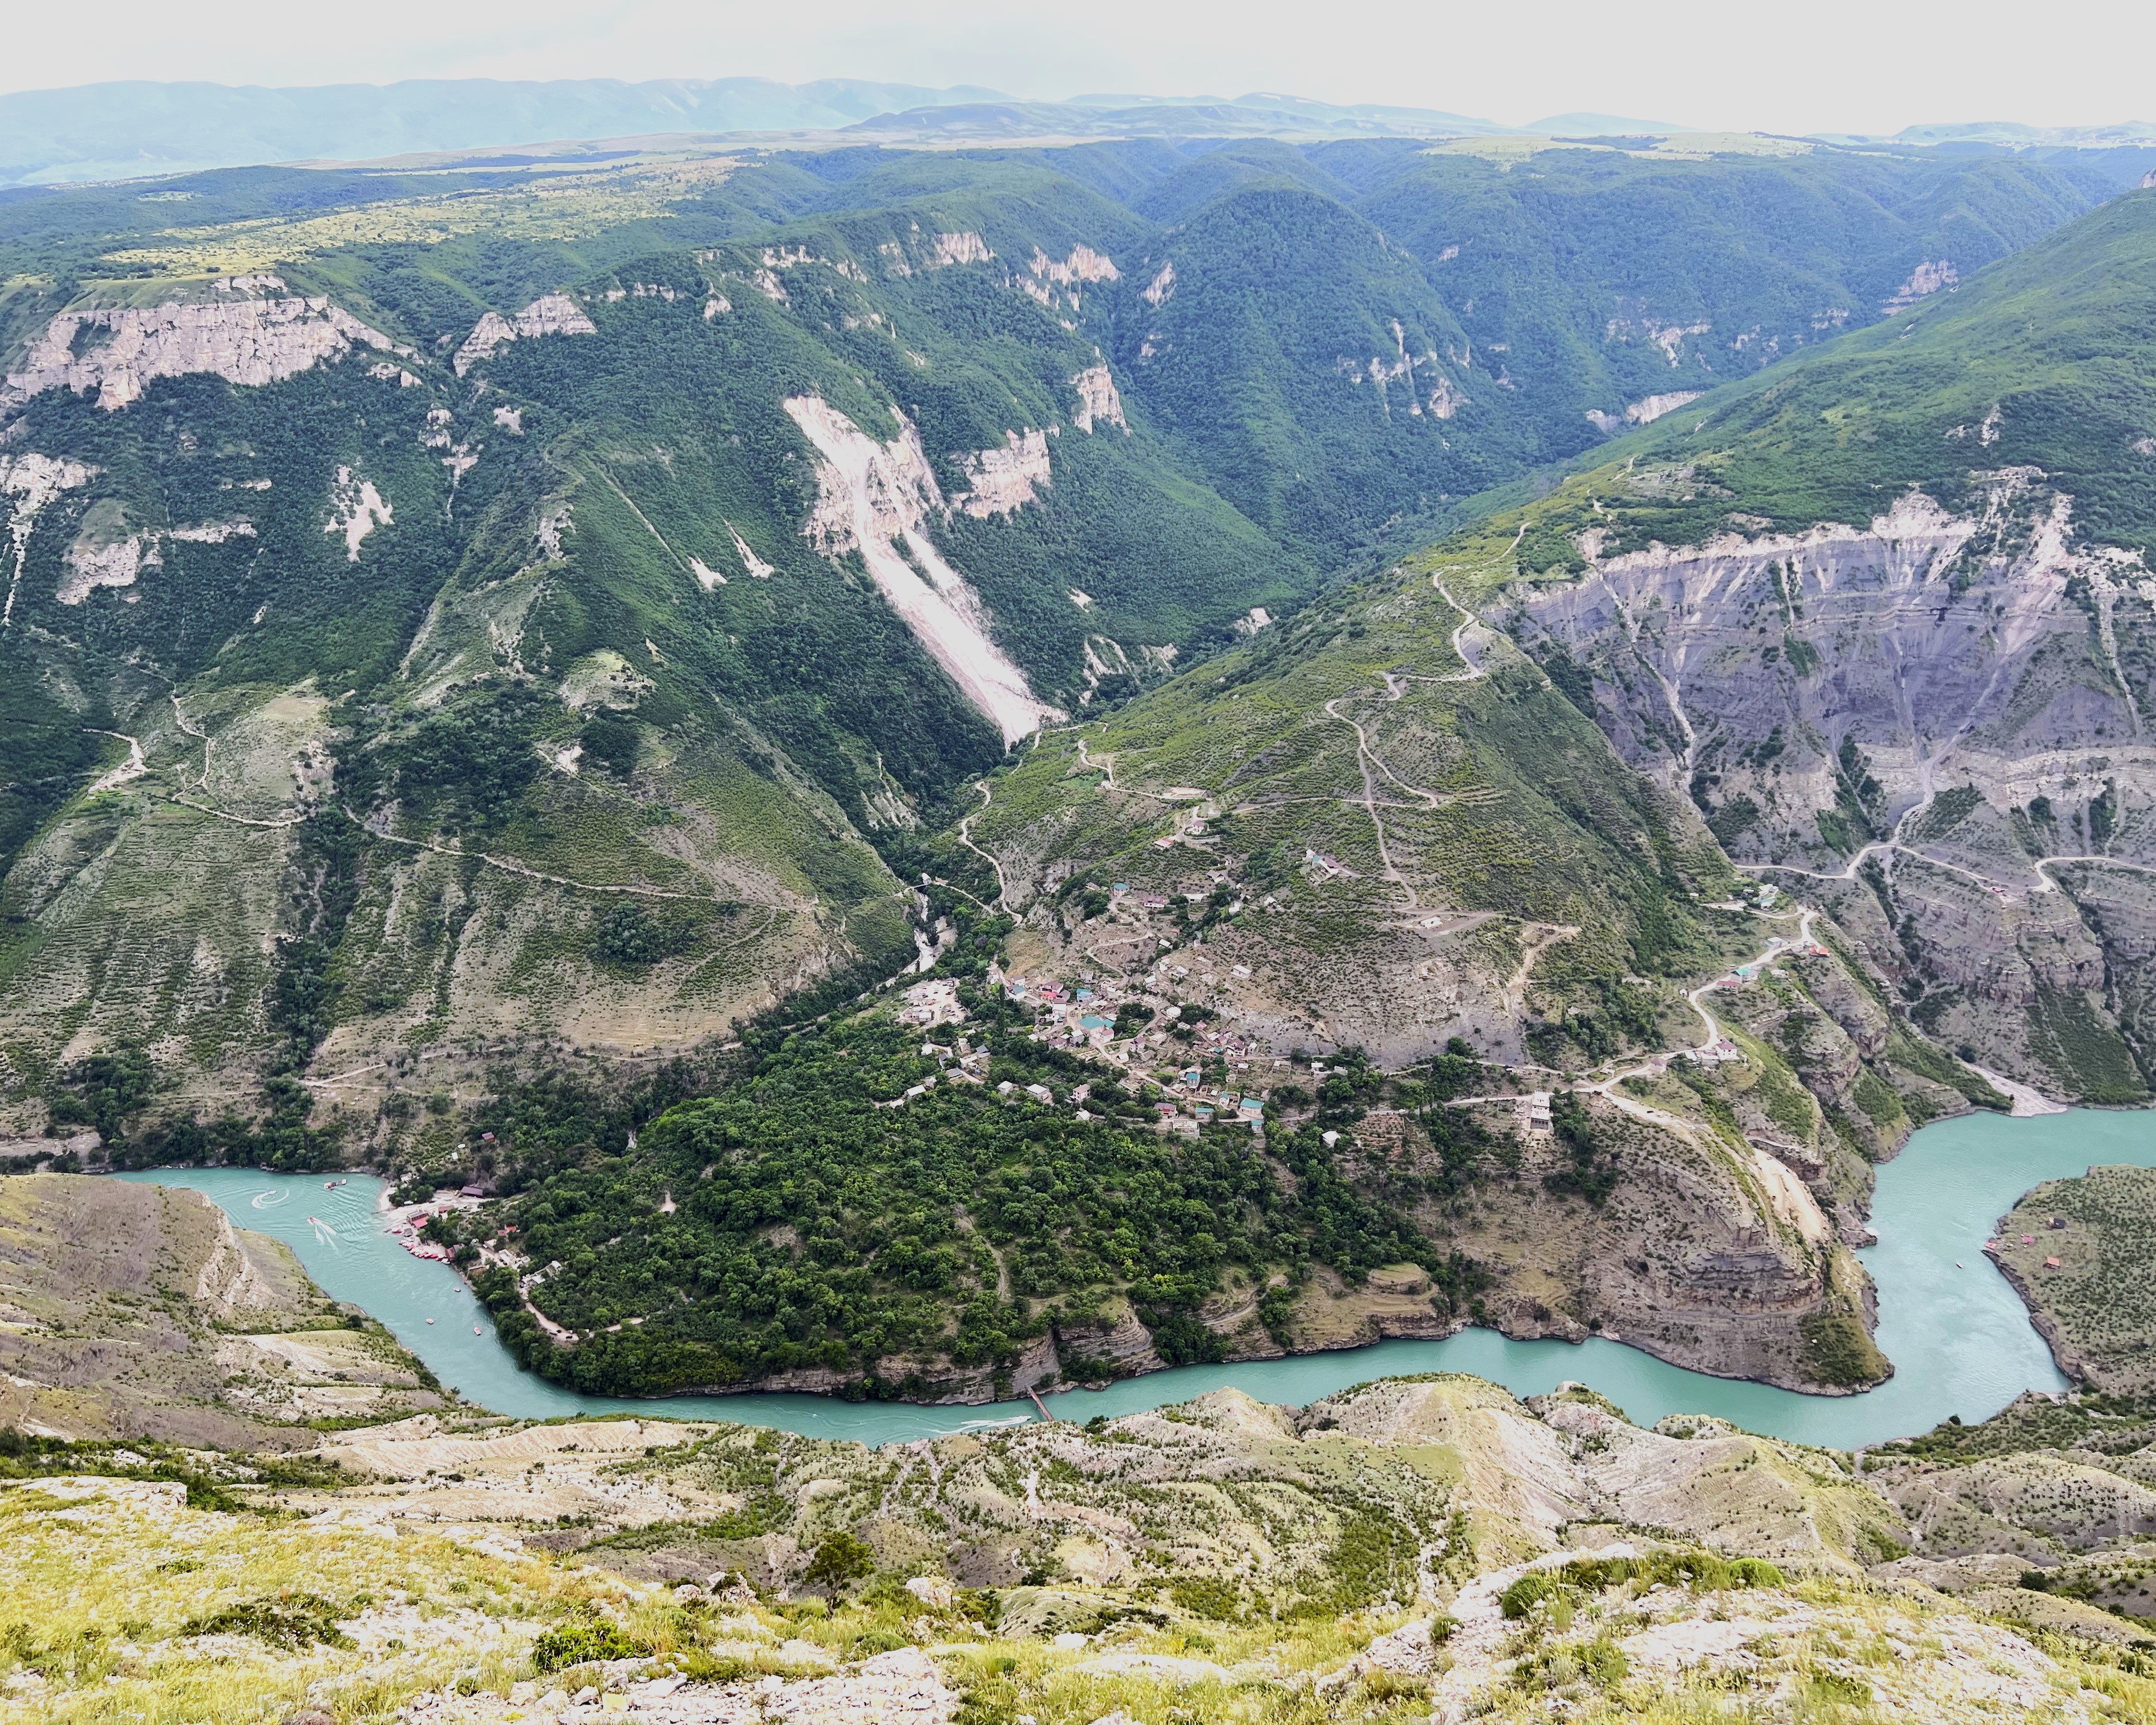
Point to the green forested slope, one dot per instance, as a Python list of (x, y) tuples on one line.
[(1609, 278), (2053, 339)]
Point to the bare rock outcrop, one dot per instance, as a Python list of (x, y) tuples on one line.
[(1121, 1343), (249, 330), (1001, 481), (1931, 724), (1098, 403), (549, 315), (872, 494)]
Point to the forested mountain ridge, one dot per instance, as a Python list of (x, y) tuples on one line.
[(1458, 736), (1875, 616), (483, 555), (1853, 637)]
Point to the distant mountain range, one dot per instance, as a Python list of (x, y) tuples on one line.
[(2016, 136), (124, 131), (99, 132)]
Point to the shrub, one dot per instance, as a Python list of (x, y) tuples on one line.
[(1701, 1571), (1208, 1596), (1529, 1591), (584, 1644), (292, 1621), (1381, 1688), (610, 738), (630, 934), (1835, 1686)]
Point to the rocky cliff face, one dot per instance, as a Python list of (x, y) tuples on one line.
[(549, 315), (1915, 635), (1715, 1255), (872, 494), (248, 330), (1914, 720)]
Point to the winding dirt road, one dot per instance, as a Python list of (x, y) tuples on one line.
[(1370, 763), (965, 838)]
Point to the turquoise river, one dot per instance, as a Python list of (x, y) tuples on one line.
[(1960, 1338)]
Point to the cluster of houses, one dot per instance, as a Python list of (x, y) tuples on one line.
[(933, 1002), (1082, 1016), (1776, 949), (1995, 1246)]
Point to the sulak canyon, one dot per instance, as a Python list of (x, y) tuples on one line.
[(704, 841)]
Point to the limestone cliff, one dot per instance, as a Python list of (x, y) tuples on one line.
[(549, 315), (872, 494), (246, 328)]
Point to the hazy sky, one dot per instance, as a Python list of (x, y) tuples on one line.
[(1868, 65)]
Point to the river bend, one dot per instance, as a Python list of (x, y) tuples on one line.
[(1958, 1334)]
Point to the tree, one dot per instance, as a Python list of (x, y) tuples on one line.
[(840, 1559)]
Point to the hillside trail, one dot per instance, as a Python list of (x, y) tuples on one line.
[(179, 715), (1781, 1190), (1105, 765), (1653, 1065), (1515, 985), (1371, 765), (965, 838), (509, 865), (1929, 763), (1896, 844), (202, 783), (506, 865)]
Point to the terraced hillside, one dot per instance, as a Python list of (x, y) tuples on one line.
[(137, 1312)]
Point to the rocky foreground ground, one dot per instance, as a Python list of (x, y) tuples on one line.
[(1412, 1549)]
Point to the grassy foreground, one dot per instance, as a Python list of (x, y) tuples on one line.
[(1409, 1550)]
